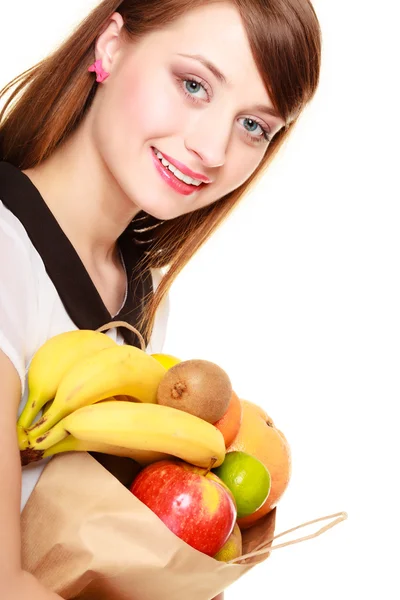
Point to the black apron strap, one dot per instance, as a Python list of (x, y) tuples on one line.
[(77, 291)]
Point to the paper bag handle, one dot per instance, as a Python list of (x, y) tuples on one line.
[(262, 549), (113, 324)]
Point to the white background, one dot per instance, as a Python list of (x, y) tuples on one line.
[(297, 297)]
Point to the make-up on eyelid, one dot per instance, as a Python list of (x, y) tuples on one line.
[(264, 137), (183, 81)]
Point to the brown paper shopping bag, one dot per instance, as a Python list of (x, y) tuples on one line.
[(85, 536)]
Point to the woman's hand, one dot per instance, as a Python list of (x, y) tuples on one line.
[(15, 584), (23, 586)]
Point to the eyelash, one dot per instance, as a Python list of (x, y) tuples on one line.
[(265, 137)]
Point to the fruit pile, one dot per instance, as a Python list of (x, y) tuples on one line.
[(209, 464)]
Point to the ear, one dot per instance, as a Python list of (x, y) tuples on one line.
[(109, 41)]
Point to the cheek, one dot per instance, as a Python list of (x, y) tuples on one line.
[(133, 114), (149, 109), (242, 164)]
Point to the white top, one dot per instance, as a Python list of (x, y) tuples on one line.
[(31, 312)]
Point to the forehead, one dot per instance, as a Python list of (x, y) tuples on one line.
[(216, 32), (217, 25)]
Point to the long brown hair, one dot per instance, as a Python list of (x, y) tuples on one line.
[(47, 102)]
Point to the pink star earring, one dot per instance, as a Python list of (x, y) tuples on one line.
[(97, 68)]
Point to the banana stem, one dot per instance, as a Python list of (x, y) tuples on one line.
[(49, 437), (45, 423), (30, 411), (23, 440), (65, 445)]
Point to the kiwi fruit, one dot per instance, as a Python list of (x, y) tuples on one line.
[(198, 387)]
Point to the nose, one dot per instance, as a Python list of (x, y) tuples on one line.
[(208, 139)]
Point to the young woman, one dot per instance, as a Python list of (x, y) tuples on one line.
[(120, 154)]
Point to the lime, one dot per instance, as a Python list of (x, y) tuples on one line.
[(167, 360), (248, 479)]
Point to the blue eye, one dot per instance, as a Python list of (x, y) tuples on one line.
[(193, 89), (251, 126), (192, 86)]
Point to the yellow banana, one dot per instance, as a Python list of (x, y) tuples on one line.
[(51, 362), (119, 370), (167, 360), (144, 427), (73, 444)]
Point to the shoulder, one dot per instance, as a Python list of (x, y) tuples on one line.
[(17, 251), (13, 236), (17, 265)]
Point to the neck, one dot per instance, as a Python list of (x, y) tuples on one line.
[(84, 197)]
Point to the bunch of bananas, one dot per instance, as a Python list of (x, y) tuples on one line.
[(99, 396)]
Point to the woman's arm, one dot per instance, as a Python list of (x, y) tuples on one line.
[(219, 597), (14, 582)]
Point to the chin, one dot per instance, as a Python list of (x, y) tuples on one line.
[(166, 212), (160, 214)]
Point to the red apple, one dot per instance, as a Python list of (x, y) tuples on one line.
[(190, 502)]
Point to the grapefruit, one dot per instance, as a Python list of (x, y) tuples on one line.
[(259, 437)]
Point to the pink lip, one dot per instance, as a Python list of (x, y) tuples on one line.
[(176, 184), (185, 170)]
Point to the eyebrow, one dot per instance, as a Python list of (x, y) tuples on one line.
[(269, 110), (209, 65)]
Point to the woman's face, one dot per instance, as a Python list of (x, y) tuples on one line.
[(187, 97)]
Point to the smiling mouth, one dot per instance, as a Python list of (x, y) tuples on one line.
[(196, 183)]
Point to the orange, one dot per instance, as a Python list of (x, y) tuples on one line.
[(259, 437), (229, 423)]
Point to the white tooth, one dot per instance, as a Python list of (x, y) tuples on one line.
[(176, 171), (179, 175)]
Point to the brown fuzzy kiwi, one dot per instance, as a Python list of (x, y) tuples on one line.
[(196, 386)]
